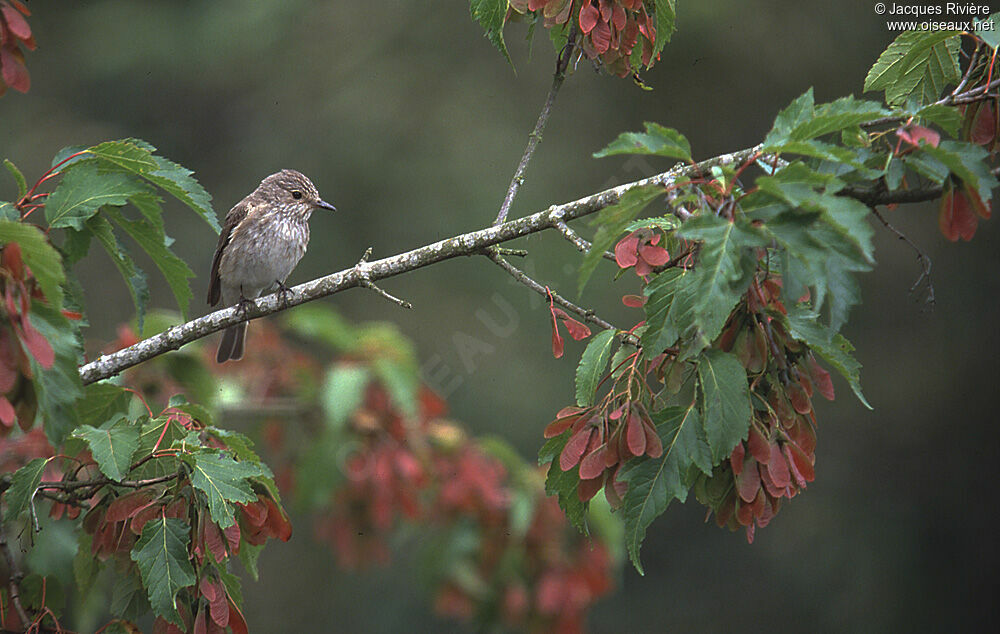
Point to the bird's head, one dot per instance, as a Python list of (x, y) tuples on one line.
[(292, 190)]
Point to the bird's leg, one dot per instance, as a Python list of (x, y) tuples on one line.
[(283, 292), (244, 305)]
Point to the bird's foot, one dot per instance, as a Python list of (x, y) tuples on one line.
[(283, 293), (244, 306)]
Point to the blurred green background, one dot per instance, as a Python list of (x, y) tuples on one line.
[(411, 123)]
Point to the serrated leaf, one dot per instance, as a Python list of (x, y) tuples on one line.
[(162, 556), (667, 223), (656, 140), (665, 19), (803, 121), (661, 333), (917, 63), (967, 161), (112, 446), (563, 484), (946, 117), (804, 326), (23, 484), (154, 243), (22, 186), (224, 481), (491, 15), (134, 277), (136, 156), (725, 401), (826, 238), (610, 223), (84, 189), (45, 262), (249, 554), (593, 361), (57, 388), (655, 482), (703, 298), (102, 402)]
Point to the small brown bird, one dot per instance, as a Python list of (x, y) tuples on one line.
[(263, 238)]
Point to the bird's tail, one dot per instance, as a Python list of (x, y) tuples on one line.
[(231, 347)]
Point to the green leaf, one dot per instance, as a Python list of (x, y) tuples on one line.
[(343, 392), (988, 30), (803, 121), (102, 402), (249, 554), (563, 484), (134, 277), (128, 598), (667, 223), (610, 223), (946, 117), (22, 186), (491, 15), (967, 161), (726, 264), (832, 347), (592, 364), (665, 19), (136, 156), (400, 377), (84, 189), (9, 212), (224, 481), (656, 140), (85, 565), (826, 238), (654, 482), (917, 63), (40, 256), (23, 484), (725, 401), (162, 556), (660, 332), (154, 243), (112, 446), (58, 388)]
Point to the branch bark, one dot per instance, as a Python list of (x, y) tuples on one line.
[(465, 244), (365, 273)]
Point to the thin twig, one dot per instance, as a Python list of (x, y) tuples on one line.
[(562, 63), (587, 314), (922, 258), (579, 242), (15, 575), (366, 282)]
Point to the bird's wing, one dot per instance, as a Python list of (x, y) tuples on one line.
[(233, 218)]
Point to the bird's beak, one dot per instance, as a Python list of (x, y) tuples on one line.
[(325, 205)]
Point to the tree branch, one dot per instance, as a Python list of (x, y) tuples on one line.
[(15, 574), (586, 313), (466, 244), (562, 63)]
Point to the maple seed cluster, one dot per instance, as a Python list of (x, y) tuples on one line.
[(18, 338), (611, 29), (777, 459), (14, 33)]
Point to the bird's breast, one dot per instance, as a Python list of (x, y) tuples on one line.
[(264, 248)]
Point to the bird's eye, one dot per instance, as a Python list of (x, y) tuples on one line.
[(296, 194)]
